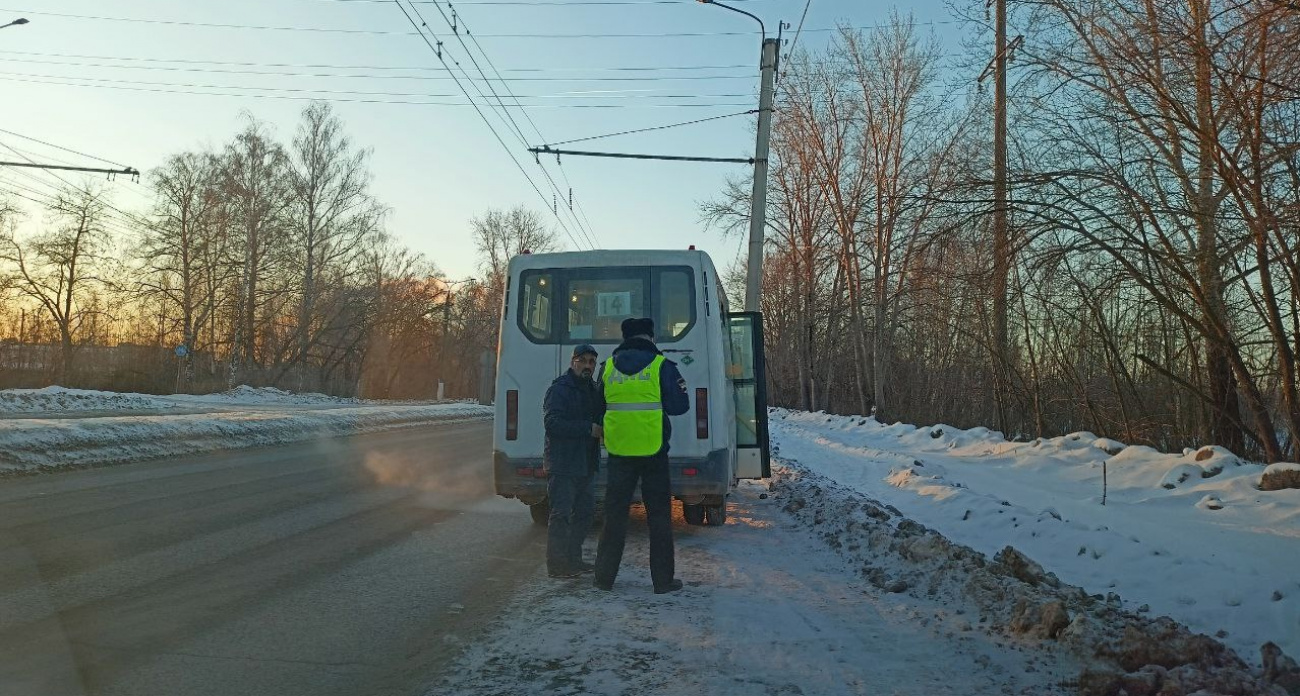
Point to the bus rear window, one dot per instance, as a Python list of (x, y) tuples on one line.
[(595, 301), (598, 306)]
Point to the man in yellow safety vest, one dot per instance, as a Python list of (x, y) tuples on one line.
[(641, 389)]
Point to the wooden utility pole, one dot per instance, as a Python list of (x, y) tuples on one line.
[(1001, 237), (1001, 251)]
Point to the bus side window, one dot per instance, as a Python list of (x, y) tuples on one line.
[(535, 295)]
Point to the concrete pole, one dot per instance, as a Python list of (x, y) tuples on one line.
[(758, 200), (487, 380)]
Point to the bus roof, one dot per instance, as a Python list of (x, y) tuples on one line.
[(610, 257)]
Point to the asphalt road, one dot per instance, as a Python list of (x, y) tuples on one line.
[(340, 566)]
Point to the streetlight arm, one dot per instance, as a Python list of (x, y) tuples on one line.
[(761, 27)]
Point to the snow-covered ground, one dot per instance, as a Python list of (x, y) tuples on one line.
[(1185, 535), (58, 427), (901, 560), (62, 400), (768, 609)]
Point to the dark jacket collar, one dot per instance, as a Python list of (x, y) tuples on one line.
[(637, 343)]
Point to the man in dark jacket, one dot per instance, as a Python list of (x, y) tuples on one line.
[(572, 418), (640, 389)]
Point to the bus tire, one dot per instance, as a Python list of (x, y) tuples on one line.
[(715, 515), (694, 514), (541, 513)]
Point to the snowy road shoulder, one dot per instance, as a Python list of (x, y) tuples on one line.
[(37, 444), (768, 609), (1185, 535), (64, 402)]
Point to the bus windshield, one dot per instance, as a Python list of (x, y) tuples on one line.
[(597, 300)]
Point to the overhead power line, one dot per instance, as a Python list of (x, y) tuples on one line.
[(438, 51), (125, 217), (329, 66), (110, 221), (546, 3), (58, 147), (795, 41), (351, 100), (388, 32), (629, 155), (503, 111), (371, 76), (573, 203), (652, 128), (590, 94)]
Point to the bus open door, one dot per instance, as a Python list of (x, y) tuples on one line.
[(746, 370)]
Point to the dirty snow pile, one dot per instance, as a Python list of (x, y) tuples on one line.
[(64, 399), (1124, 652), (1188, 535), (767, 609), (58, 427), (244, 394)]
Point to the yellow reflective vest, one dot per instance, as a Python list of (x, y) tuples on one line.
[(634, 412)]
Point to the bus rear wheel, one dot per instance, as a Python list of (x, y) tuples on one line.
[(541, 513), (694, 514), (715, 515)]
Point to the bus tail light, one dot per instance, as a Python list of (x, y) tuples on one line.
[(690, 471), (512, 414), (702, 413)]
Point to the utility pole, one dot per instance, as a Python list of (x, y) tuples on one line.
[(487, 378), (1000, 242), (1001, 238), (758, 199), (442, 352)]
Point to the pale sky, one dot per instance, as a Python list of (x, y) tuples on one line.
[(435, 165)]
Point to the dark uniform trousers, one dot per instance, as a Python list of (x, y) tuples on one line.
[(656, 493), (573, 507)]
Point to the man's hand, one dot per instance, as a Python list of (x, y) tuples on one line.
[(597, 431)]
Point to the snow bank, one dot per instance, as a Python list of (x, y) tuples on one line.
[(64, 399), (1186, 535), (244, 394), (1280, 476), (1015, 598), (34, 444)]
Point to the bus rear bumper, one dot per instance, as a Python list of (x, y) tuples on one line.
[(693, 478)]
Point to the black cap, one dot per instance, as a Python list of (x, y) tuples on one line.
[(645, 326), (584, 349)]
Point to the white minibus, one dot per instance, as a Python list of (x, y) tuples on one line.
[(554, 302)]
